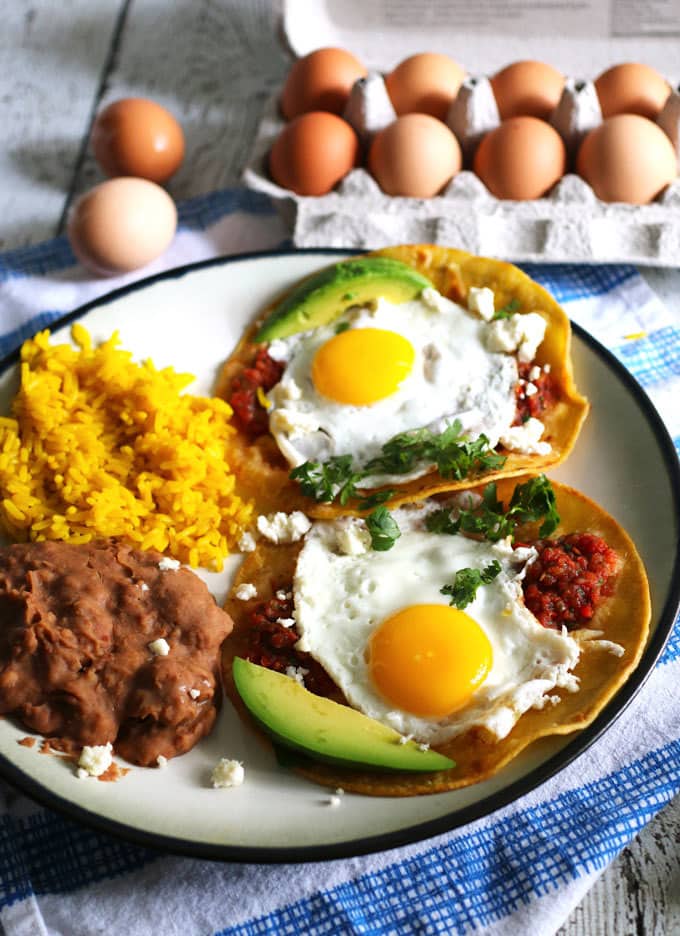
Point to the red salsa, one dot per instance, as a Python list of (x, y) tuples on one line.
[(571, 576), (536, 403), (263, 373), (272, 645)]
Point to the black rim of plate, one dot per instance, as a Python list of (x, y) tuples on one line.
[(433, 827)]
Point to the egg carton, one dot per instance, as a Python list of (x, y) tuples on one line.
[(570, 224)]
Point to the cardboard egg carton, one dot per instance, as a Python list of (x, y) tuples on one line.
[(570, 223)]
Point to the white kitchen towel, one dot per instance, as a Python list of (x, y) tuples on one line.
[(518, 871)]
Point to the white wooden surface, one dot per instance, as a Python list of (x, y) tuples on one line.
[(213, 63)]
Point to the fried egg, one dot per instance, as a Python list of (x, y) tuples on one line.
[(350, 386), (380, 627)]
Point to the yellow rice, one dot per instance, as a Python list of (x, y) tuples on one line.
[(100, 446)]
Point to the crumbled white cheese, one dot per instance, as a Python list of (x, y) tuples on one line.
[(227, 773), (282, 527), (353, 538), (530, 389), (159, 647), (194, 693), (520, 333), (526, 438), (144, 586), (286, 389), (282, 595), (246, 543), (94, 760), (535, 372), (162, 762), (404, 739), (292, 423), (481, 301), (297, 673), (279, 349), (168, 565), (286, 622), (245, 591), (433, 299), (423, 747)]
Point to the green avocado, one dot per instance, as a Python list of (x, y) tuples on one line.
[(325, 730), (321, 298)]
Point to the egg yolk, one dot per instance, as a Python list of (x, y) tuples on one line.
[(362, 365), (429, 659)]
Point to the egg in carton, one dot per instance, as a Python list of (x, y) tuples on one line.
[(569, 223)]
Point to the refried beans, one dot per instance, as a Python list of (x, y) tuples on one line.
[(76, 622)]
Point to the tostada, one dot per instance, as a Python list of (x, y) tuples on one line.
[(470, 627), (398, 374)]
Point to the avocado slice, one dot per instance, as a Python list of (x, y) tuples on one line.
[(325, 295), (325, 730)]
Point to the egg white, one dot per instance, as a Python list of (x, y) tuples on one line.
[(341, 598), (455, 376)]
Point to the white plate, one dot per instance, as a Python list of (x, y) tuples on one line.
[(190, 319)]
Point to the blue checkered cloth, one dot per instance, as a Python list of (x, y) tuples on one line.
[(520, 870)]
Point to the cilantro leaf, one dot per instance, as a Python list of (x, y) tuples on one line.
[(463, 589), (453, 454), (507, 311), (324, 481), (441, 521), (535, 500), (383, 528)]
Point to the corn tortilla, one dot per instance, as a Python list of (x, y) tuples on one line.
[(262, 471), (623, 618)]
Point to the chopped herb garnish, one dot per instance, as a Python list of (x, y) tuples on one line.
[(441, 521), (464, 587), (507, 311), (324, 481), (349, 296), (534, 500), (453, 454), (383, 528), (341, 327)]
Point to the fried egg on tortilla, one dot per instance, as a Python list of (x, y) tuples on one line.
[(263, 467), (510, 705)]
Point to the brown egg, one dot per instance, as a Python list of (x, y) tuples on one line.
[(313, 152), (321, 81), (425, 84), (521, 159), (121, 224), (632, 88), (137, 137), (416, 156), (527, 88), (627, 159)]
